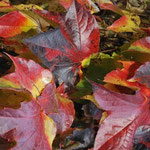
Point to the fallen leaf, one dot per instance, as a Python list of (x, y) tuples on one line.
[(12, 98), (5, 144), (127, 23), (136, 6), (66, 3), (48, 99), (5, 6), (142, 135), (59, 108), (96, 71), (141, 45), (84, 137), (27, 7), (142, 74), (89, 4), (14, 23), (4, 3), (28, 75), (123, 77), (108, 5), (90, 110), (62, 50), (125, 114), (28, 126), (136, 56)]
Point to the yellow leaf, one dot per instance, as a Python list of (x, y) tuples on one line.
[(127, 23), (49, 129), (104, 116), (27, 7)]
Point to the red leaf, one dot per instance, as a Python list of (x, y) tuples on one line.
[(28, 126), (125, 114), (14, 23), (28, 75), (60, 109), (62, 50)]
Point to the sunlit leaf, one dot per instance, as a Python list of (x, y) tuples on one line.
[(28, 75)]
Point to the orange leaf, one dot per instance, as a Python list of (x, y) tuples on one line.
[(122, 77)]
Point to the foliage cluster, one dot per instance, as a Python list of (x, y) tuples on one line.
[(75, 74)]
